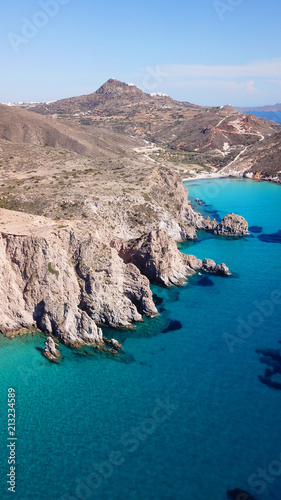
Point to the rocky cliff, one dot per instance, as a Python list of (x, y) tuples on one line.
[(68, 282), (65, 283), (82, 236), (156, 255)]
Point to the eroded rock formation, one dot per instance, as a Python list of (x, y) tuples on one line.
[(157, 256), (65, 283), (51, 352), (232, 225)]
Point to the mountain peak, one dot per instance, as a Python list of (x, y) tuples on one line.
[(116, 87)]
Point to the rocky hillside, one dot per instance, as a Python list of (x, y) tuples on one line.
[(260, 161), (20, 126), (87, 223), (209, 136), (271, 112)]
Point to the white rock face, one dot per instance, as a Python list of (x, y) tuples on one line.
[(157, 256), (63, 283), (175, 230)]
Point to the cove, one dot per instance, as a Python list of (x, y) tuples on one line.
[(182, 416)]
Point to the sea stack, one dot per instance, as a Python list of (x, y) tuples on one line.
[(51, 352), (232, 225)]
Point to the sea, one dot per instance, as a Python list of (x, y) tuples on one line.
[(190, 410)]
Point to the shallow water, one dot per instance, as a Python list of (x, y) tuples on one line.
[(222, 423)]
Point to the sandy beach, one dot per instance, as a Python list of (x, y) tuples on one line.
[(205, 175)]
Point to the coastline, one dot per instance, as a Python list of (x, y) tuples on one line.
[(205, 175)]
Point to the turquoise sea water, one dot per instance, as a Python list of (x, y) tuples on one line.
[(184, 416)]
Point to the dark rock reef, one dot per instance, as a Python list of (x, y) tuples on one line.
[(272, 375), (238, 494)]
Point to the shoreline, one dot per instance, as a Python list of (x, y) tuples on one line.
[(214, 175)]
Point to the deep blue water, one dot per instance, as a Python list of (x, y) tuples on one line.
[(222, 423)]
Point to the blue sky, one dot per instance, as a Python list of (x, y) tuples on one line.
[(209, 52)]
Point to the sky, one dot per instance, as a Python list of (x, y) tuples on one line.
[(208, 52)]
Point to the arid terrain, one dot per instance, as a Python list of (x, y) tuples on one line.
[(92, 202), (187, 137)]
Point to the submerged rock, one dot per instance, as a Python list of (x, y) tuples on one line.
[(173, 326), (51, 352), (271, 358), (205, 282), (271, 238), (255, 229), (238, 494), (232, 225)]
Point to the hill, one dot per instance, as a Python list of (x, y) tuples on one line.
[(210, 136), (271, 112), (260, 161)]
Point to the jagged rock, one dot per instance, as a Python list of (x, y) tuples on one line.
[(113, 343), (157, 257), (209, 224), (74, 327), (51, 352), (113, 292), (232, 225), (66, 282), (222, 269), (193, 262), (210, 266), (207, 265), (198, 221)]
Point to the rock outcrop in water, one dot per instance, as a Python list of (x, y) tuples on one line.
[(89, 227), (65, 283), (156, 255), (69, 277), (51, 352), (198, 221), (232, 225), (207, 266)]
